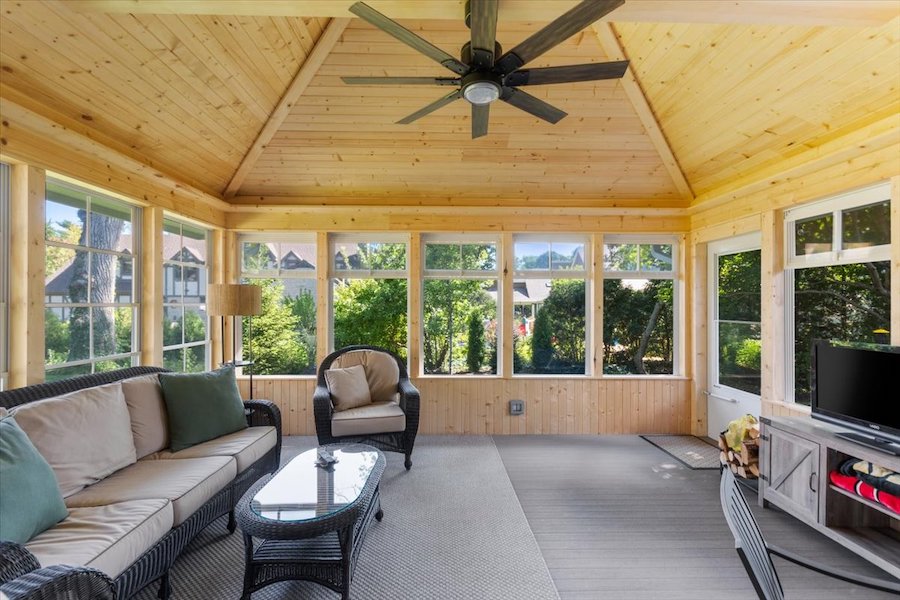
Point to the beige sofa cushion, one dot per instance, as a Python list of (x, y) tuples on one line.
[(84, 435), (108, 538), (379, 417), (382, 372), (149, 423), (187, 483), (246, 446), (348, 387)]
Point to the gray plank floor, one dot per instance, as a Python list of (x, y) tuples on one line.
[(615, 517)]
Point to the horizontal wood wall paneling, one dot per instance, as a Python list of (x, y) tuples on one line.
[(865, 12), (479, 406), (31, 138)]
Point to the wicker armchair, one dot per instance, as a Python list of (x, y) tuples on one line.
[(397, 433), (22, 578)]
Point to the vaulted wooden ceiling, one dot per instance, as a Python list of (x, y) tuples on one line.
[(250, 106)]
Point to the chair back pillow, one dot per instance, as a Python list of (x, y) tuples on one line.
[(84, 435), (348, 387), (382, 372), (149, 422), (201, 406), (29, 494)]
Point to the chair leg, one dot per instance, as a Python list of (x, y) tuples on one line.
[(232, 524), (408, 462)]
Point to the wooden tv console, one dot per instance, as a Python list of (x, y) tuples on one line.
[(796, 456)]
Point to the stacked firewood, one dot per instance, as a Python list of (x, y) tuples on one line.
[(744, 462)]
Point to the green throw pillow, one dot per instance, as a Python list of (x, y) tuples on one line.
[(30, 500), (201, 406)]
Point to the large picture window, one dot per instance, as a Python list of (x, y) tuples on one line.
[(369, 291), (549, 300), (459, 318), (639, 306), (282, 340), (838, 276), (92, 272), (185, 275)]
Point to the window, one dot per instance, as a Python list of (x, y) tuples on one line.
[(4, 270), (838, 276), (369, 291), (91, 276), (735, 329), (459, 320), (639, 306), (549, 318), (282, 340), (185, 275)]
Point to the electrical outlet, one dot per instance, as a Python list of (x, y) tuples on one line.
[(517, 407)]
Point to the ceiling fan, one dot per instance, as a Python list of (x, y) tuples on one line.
[(484, 74)]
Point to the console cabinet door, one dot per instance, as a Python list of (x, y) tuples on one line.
[(793, 479)]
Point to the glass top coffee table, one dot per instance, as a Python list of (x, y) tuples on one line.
[(311, 520)]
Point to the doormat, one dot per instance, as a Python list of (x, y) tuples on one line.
[(689, 450)]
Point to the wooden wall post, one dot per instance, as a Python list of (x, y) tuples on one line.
[(26, 276), (415, 296), (772, 314), (230, 274), (216, 275), (698, 332), (152, 286), (505, 325), (595, 304), (323, 297)]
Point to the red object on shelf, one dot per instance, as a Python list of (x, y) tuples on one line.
[(864, 490)]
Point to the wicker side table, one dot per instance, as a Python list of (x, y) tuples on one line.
[(310, 522)]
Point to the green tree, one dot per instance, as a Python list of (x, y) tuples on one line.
[(57, 257), (275, 343), (475, 345), (370, 311), (557, 343)]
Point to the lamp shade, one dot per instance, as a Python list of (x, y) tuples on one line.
[(233, 299)]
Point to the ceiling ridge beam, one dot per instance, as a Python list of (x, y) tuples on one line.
[(864, 13), (871, 137), (613, 49), (295, 89)]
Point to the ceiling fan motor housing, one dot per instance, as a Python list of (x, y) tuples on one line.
[(466, 53), (479, 87)]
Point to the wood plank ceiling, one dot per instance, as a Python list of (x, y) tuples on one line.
[(190, 93)]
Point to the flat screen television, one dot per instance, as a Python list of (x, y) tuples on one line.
[(858, 388)]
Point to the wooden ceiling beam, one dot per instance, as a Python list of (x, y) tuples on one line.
[(860, 13), (614, 51), (310, 67)]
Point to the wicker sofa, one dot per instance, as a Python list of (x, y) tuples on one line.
[(153, 507)]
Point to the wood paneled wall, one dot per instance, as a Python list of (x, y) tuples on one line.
[(479, 406)]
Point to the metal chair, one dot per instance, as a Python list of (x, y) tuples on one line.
[(756, 554)]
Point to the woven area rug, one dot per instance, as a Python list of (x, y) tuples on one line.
[(691, 451), (453, 529)]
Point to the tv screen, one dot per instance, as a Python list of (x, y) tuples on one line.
[(858, 388)]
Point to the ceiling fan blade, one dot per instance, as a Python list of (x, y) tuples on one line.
[(532, 105), (480, 113), (568, 73), (369, 14), (401, 80), (577, 18), (483, 23), (431, 107)]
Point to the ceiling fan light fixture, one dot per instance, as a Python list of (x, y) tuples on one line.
[(481, 92)]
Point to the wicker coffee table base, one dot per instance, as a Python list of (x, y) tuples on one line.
[(328, 559)]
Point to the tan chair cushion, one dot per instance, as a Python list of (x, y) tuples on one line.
[(382, 372), (108, 538), (348, 387), (149, 423), (187, 483), (378, 417), (84, 435), (246, 446)]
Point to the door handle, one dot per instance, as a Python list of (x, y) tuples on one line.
[(813, 479)]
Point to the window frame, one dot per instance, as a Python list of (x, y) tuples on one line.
[(675, 275), (749, 242), (205, 267), (136, 258), (834, 205), (496, 275), (550, 274)]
